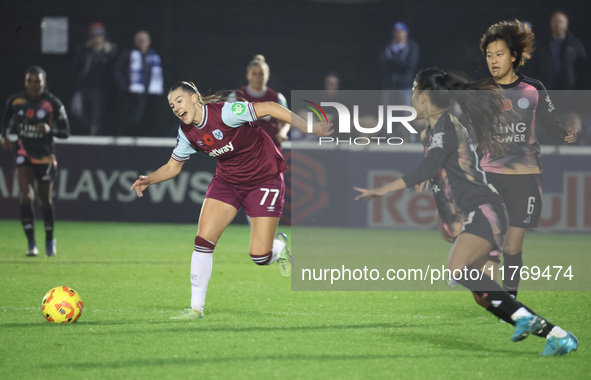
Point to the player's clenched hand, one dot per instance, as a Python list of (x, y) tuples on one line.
[(369, 194), (322, 129), (571, 135), (422, 186), (140, 185), (43, 128), (281, 137)]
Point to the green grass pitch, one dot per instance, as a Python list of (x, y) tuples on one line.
[(133, 277)]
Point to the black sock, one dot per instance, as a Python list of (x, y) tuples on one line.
[(27, 219), (499, 314), (547, 327), (512, 265), (507, 318), (481, 284), (546, 330), (48, 221)]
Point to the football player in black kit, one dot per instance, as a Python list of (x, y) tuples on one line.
[(451, 157), (517, 173), (36, 116)]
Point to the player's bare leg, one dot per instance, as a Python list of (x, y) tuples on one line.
[(266, 246), (468, 249), (215, 217)]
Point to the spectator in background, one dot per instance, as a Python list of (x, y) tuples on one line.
[(399, 59), (331, 84), (138, 73), (92, 67), (257, 75), (562, 59), (398, 64), (561, 62)]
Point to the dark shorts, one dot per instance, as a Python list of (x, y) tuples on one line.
[(263, 199), (522, 194), (43, 172), (489, 221)]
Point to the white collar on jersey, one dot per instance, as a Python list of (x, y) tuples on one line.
[(259, 94), (203, 118)]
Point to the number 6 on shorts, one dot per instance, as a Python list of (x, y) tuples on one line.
[(267, 191), (530, 205)]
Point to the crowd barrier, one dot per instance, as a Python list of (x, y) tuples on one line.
[(95, 174)]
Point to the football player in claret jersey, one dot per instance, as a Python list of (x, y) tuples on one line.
[(517, 173), (257, 74), (36, 116), (249, 174), (451, 152)]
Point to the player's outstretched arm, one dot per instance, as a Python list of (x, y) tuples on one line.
[(170, 170), (281, 113), (369, 194)]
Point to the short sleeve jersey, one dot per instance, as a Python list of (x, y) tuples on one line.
[(22, 115), (269, 124), (451, 162), (526, 102), (246, 154)]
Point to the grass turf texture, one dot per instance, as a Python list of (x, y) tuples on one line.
[(133, 277)]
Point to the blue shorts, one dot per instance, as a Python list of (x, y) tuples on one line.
[(263, 199)]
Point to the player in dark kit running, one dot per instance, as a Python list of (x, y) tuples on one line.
[(451, 150), (36, 116), (517, 173), (257, 74), (248, 174)]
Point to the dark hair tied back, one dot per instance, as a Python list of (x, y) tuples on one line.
[(480, 102)]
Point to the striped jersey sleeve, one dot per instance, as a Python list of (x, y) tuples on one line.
[(238, 113), (183, 148)]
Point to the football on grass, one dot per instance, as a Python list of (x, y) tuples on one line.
[(62, 305)]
